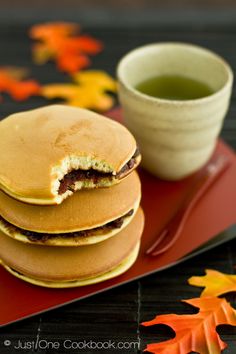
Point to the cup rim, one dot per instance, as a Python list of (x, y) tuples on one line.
[(177, 103)]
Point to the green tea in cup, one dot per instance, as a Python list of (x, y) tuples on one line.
[(174, 98), (174, 87)]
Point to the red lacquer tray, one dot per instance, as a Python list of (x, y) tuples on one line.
[(214, 213)]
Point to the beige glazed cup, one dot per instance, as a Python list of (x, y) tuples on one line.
[(176, 138)]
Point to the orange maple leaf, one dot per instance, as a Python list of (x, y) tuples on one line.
[(58, 41), (215, 283), (12, 82), (197, 332), (47, 31), (88, 91)]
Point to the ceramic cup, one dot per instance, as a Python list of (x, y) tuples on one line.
[(176, 138)]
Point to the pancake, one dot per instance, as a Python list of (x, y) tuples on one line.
[(68, 266), (87, 217), (50, 152), (115, 272)]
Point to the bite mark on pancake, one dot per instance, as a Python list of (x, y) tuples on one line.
[(76, 173)]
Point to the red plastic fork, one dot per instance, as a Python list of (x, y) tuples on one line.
[(203, 181)]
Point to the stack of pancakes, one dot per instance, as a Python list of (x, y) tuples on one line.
[(69, 205)]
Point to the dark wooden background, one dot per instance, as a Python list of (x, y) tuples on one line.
[(115, 315)]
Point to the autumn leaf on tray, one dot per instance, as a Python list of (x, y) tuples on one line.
[(215, 283), (13, 82), (59, 41), (89, 90), (197, 332)]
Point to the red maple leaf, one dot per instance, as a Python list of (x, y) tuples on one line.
[(12, 81)]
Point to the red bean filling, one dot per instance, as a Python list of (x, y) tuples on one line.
[(42, 237)]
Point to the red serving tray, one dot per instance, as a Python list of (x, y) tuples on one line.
[(213, 214)]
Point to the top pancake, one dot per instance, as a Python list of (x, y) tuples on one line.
[(40, 146)]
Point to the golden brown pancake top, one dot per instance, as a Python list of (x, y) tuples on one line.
[(34, 144)]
